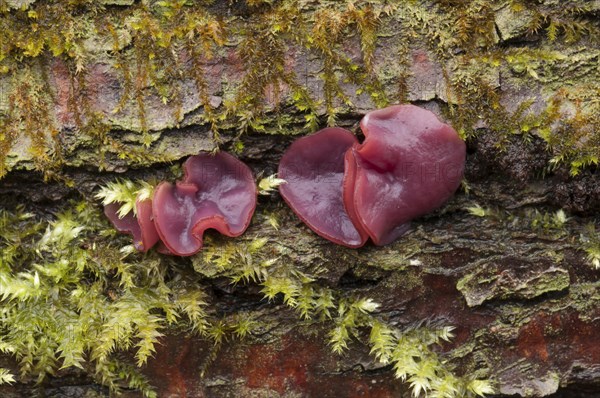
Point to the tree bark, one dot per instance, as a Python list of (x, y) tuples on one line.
[(518, 286)]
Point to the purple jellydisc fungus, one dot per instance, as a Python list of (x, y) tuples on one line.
[(409, 164), (140, 226), (127, 224), (313, 168), (218, 191)]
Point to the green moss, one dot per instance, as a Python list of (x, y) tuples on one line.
[(547, 225), (27, 122), (478, 287), (74, 294)]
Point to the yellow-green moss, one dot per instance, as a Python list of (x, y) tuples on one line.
[(75, 294)]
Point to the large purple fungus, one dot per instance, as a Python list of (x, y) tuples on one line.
[(218, 192), (409, 164), (313, 168)]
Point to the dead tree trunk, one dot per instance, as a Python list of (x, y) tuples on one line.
[(500, 262)]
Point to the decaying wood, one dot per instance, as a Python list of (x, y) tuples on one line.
[(524, 299)]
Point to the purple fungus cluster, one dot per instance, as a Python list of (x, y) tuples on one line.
[(409, 164), (217, 191)]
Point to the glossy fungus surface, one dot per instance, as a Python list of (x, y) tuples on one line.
[(141, 227), (313, 168), (409, 164), (218, 192), (146, 223)]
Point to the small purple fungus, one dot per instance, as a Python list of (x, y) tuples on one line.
[(313, 168), (141, 226), (218, 192)]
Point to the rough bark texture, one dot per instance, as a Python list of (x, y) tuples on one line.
[(522, 295)]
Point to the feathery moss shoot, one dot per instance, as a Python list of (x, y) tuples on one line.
[(72, 296)]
